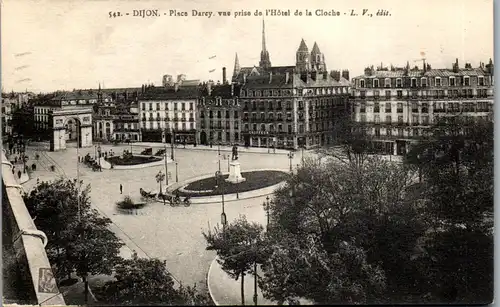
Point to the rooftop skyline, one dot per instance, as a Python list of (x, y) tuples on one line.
[(64, 45)]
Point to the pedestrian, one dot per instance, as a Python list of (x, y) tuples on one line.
[(15, 160), (121, 189)]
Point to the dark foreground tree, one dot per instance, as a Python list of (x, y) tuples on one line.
[(456, 254), (141, 281), (78, 237), (238, 246), (357, 216)]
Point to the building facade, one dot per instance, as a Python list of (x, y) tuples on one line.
[(7, 107), (396, 106), (168, 114), (126, 123), (292, 106), (219, 118)]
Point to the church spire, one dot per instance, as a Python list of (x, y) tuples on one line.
[(263, 35), (265, 62), (237, 68)]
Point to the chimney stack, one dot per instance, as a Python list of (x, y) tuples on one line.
[(176, 86), (270, 77), (244, 78), (209, 88), (232, 89), (287, 77), (345, 74), (313, 75), (224, 75)]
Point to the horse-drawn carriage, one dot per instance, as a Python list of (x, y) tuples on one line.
[(173, 200), (92, 163)]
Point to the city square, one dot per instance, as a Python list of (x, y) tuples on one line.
[(169, 233), (192, 154)]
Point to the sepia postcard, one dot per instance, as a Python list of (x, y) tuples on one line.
[(247, 152)]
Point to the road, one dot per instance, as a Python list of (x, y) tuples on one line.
[(169, 233)]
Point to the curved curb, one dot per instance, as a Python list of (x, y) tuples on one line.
[(208, 282), (136, 166), (269, 190)]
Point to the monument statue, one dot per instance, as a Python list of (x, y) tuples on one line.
[(235, 171), (235, 153)]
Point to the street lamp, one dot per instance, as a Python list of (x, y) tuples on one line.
[(166, 163), (86, 139), (266, 206), (290, 156), (99, 152), (219, 178), (176, 172), (159, 178)]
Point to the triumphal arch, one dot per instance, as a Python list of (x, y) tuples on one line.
[(71, 125)]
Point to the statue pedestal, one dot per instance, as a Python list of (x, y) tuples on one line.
[(235, 173)]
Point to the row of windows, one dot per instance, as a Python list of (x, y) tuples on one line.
[(158, 106), (166, 117), (184, 126), (423, 82), (482, 106), (287, 92), (236, 125), (219, 114), (468, 93)]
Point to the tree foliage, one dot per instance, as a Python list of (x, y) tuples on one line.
[(456, 253), (238, 246), (140, 281), (78, 237), (351, 226)]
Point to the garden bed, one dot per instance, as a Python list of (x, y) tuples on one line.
[(254, 180), (132, 160)]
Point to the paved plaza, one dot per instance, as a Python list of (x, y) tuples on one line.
[(170, 233)]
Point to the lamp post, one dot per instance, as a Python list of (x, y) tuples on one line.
[(60, 138), (86, 139), (172, 140), (95, 152), (218, 179), (266, 205), (290, 156), (159, 179), (166, 164), (99, 152), (302, 154), (176, 173)]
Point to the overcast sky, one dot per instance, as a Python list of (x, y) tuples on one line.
[(75, 44)]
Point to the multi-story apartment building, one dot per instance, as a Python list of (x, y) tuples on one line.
[(219, 119), (118, 118), (168, 113), (7, 108), (45, 105), (126, 122), (291, 106), (398, 105)]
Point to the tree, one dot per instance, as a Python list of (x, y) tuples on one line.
[(238, 246), (159, 178), (78, 237), (345, 211), (301, 268), (354, 144), (140, 281), (456, 253)]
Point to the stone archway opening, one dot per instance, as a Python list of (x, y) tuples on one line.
[(73, 131)]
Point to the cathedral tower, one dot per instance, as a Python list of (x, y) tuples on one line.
[(317, 59), (237, 67), (302, 56), (265, 62)]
